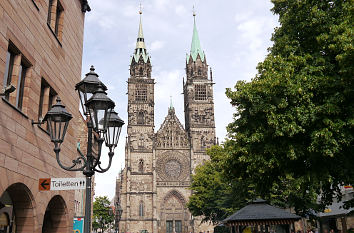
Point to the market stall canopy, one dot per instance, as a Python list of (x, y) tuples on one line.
[(336, 209), (259, 212)]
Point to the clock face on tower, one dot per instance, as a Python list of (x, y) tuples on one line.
[(172, 166)]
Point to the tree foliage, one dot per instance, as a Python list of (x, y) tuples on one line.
[(292, 136), (102, 213), (212, 194)]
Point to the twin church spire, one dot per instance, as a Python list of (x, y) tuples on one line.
[(196, 49), (140, 48), (140, 65), (141, 53)]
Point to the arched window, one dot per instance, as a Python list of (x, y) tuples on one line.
[(141, 72), (203, 142), (140, 118), (141, 209), (141, 165), (199, 71)]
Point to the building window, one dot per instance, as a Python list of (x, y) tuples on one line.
[(9, 66), (56, 18), (141, 92), (169, 226), (46, 99), (178, 226), (140, 118), (141, 72), (141, 209), (200, 92), (141, 165), (16, 71), (141, 142)]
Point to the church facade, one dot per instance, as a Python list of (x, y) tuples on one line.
[(158, 165)]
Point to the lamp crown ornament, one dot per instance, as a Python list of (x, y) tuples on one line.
[(58, 110), (87, 87)]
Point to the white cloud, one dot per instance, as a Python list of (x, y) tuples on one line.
[(156, 45), (160, 4), (167, 83), (242, 16), (181, 10), (130, 10)]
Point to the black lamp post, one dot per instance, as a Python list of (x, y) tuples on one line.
[(101, 118)]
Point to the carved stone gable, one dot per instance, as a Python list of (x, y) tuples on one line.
[(171, 134)]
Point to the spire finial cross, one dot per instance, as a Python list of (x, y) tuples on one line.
[(140, 9), (194, 14)]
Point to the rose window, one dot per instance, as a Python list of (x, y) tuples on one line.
[(173, 168)]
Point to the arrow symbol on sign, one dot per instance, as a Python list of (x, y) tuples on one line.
[(44, 184)]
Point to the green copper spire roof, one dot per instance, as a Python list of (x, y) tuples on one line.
[(140, 49), (195, 47)]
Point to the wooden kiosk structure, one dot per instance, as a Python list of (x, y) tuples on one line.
[(261, 217)]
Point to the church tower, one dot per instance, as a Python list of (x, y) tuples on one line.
[(198, 102), (137, 187), (157, 175)]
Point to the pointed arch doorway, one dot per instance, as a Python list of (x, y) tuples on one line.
[(174, 214)]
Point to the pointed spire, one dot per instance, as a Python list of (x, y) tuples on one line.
[(171, 105), (195, 47), (140, 44), (140, 33), (140, 48)]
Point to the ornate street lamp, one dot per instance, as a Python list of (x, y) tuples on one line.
[(114, 128), (58, 120), (101, 118), (99, 107)]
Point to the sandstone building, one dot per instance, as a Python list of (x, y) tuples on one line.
[(158, 165), (40, 55)]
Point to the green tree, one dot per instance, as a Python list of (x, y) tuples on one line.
[(102, 213), (292, 136), (294, 126), (212, 195)]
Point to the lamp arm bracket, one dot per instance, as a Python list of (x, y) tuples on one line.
[(81, 154), (102, 170), (100, 142), (80, 160), (39, 122)]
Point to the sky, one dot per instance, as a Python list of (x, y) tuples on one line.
[(234, 35)]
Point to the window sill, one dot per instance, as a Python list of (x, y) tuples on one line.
[(12, 106), (55, 35), (35, 4)]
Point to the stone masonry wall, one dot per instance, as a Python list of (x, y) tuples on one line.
[(26, 153)]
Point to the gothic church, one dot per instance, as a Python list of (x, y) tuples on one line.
[(154, 184)]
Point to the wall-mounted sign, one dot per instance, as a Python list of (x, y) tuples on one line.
[(78, 226), (46, 184)]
